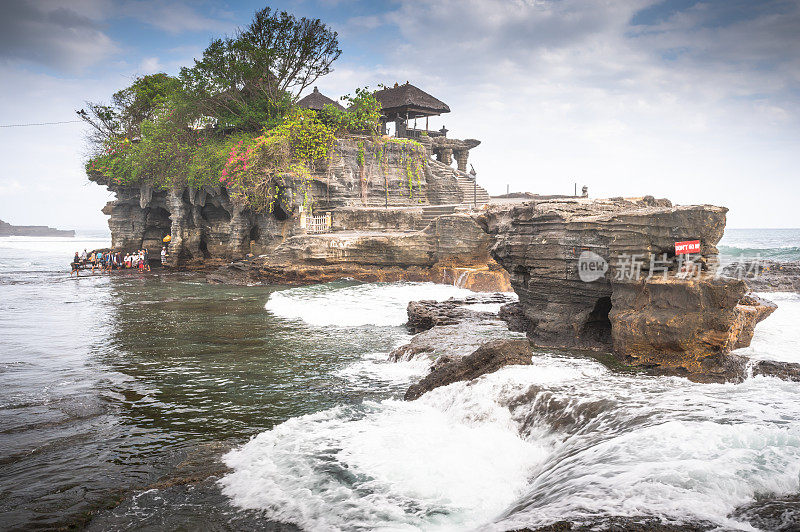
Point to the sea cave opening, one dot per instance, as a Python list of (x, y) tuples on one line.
[(597, 327)]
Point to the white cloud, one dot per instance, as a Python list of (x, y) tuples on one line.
[(570, 91), (52, 35)]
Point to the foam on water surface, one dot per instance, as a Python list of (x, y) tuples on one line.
[(564, 438), (382, 304), (391, 465), (778, 336)]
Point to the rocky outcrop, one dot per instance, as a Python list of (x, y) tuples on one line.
[(6, 229), (788, 371), (766, 275), (602, 274), (373, 193), (442, 252), (488, 358), (453, 328), (685, 327), (424, 315), (463, 338)]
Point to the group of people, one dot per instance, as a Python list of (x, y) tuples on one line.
[(105, 261)]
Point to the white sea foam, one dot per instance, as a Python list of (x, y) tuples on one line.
[(373, 370), (563, 438), (391, 465), (778, 336), (353, 306)]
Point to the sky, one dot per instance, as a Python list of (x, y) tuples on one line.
[(696, 101)]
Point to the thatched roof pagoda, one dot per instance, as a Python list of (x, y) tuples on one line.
[(316, 101), (407, 101)]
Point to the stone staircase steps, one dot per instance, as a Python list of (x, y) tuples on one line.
[(472, 194), (432, 212)]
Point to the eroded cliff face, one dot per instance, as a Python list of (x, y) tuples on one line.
[(641, 307), (375, 191), (207, 223)]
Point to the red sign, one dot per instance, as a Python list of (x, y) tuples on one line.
[(690, 246)]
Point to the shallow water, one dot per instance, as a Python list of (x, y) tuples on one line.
[(116, 389)]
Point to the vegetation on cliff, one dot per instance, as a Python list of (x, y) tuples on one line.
[(231, 119)]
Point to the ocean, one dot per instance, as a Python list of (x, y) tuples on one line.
[(772, 244), (158, 402)]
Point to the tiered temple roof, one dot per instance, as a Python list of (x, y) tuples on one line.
[(316, 101), (407, 101)]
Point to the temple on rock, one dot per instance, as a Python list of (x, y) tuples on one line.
[(402, 103), (372, 185)]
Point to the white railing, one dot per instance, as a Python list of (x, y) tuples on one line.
[(320, 223)]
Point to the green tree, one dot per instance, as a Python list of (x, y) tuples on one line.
[(250, 80), (129, 107)]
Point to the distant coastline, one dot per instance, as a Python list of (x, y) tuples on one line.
[(6, 229)]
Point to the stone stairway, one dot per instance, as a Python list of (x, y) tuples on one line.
[(472, 195), (431, 212)]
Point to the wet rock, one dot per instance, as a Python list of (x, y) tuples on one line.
[(488, 358), (423, 315), (236, 273), (778, 514), (622, 524), (514, 316), (454, 340), (767, 275), (788, 371)]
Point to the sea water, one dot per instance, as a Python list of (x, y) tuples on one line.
[(117, 390)]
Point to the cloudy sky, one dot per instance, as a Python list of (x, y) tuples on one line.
[(697, 101)]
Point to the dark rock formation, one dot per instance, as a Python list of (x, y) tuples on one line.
[(776, 514), (235, 273), (767, 275), (488, 358), (424, 315), (6, 229), (641, 308), (788, 371)]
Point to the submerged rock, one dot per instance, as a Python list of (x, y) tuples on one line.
[(777, 514), (622, 524), (488, 358)]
